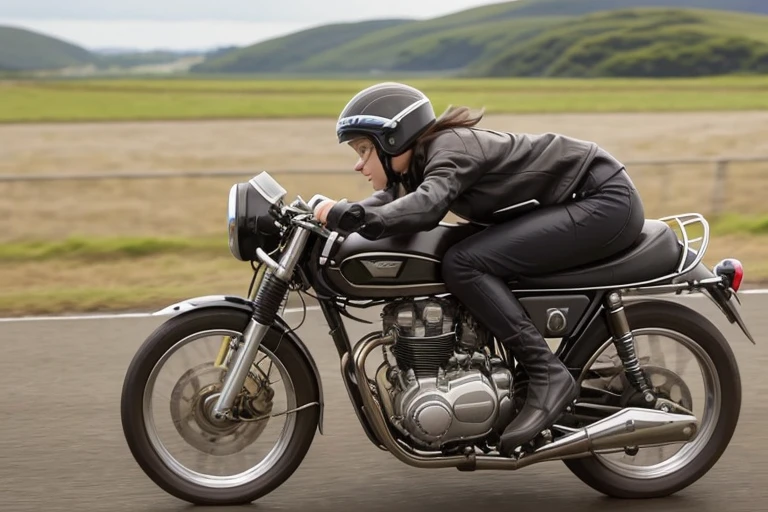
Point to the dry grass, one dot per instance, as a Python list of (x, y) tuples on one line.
[(309, 144), (63, 286), (186, 207), (66, 285), (197, 208)]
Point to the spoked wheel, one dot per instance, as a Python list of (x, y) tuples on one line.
[(688, 363), (168, 398)]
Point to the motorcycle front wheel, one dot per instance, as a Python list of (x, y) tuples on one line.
[(168, 394)]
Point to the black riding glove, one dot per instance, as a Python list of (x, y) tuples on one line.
[(345, 217)]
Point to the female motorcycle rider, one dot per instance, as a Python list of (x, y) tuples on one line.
[(549, 201)]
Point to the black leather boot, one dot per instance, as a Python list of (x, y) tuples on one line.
[(550, 389)]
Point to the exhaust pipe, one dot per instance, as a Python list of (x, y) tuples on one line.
[(628, 427), (634, 427)]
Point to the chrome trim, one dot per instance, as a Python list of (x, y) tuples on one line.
[(382, 254), (268, 261), (235, 376), (704, 239), (407, 110), (383, 267), (188, 304), (592, 360), (439, 288), (328, 246), (292, 253), (518, 205)]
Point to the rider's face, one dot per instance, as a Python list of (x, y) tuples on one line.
[(369, 165)]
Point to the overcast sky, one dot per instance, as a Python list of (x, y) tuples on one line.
[(202, 23)]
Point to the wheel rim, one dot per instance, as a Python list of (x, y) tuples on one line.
[(710, 409), (239, 477)]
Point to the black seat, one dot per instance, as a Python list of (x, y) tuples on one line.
[(655, 253)]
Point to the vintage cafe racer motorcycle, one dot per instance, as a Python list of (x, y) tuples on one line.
[(443, 389)]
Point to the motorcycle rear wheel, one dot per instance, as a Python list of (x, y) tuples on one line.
[(724, 402)]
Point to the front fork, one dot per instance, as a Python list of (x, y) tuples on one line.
[(270, 292), (224, 349)]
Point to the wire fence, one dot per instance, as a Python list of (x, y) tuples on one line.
[(193, 203)]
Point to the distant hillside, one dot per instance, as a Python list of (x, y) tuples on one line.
[(635, 43), (276, 54), (484, 40), (131, 59), (27, 51), (580, 7), (24, 50)]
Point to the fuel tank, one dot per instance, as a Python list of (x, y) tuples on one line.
[(397, 266), (410, 266)]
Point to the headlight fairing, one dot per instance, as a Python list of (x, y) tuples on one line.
[(251, 223)]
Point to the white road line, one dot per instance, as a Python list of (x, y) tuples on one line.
[(115, 316), (762, 291)]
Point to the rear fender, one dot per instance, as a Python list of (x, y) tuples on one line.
[(234, 302), (723, 299)]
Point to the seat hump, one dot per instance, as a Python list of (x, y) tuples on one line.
[(655, 253)]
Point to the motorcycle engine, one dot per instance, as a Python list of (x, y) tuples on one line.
[(445, 385)]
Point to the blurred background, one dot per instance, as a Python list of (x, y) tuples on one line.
[(123, 126)]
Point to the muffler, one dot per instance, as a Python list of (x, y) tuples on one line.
[(632, 427)]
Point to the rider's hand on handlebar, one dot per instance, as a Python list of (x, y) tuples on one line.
[(321, 210)]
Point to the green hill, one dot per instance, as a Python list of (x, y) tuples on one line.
[(277, 54), (484, 41), (641, 42), (24, 50)]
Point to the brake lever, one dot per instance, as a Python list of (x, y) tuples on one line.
[(311, 226), (302, 204)]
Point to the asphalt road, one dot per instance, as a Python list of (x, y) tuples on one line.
[(62, 448)]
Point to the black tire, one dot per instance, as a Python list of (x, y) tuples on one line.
[(158, 343), (674, 317)]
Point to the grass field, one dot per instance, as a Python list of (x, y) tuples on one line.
[(127, 244), (110, 100), (70, 246)]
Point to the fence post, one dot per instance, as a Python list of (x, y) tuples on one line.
[(718, 187)]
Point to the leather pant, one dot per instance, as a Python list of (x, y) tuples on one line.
[(477, 271), (549, 239)]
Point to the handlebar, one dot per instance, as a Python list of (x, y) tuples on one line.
[(301, 214)]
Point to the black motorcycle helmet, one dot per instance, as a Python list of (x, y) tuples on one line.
[(392, 115)]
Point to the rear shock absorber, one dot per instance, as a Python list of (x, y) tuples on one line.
[(624, 341)]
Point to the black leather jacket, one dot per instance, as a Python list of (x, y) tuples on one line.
[(481, 175)]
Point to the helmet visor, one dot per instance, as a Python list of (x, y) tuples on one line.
[(347, 128)]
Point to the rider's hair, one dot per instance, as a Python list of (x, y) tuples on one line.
[(453, 117)]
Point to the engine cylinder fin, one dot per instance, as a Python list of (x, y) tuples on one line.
[(424, 356)]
